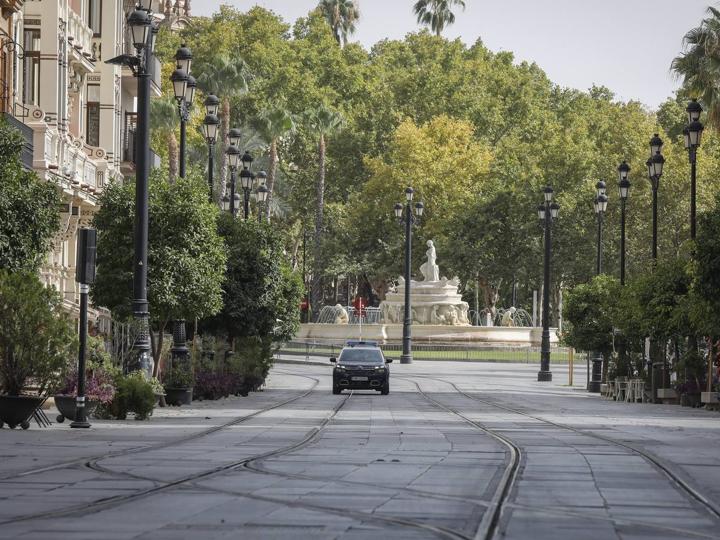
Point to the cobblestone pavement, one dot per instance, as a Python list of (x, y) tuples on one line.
[(457, 450)]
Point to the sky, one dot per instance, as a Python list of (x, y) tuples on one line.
[(625, 45)]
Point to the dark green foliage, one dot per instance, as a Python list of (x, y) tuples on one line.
[(36, 337), (134, 394), (178, 377), (29, 208), (590, 310)]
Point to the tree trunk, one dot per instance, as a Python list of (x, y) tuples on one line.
[(223, 144), (157, 346), (272, 168), (173, 157), (317, 289)]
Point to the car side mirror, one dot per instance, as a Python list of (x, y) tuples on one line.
[(333, 359), (388, 360)]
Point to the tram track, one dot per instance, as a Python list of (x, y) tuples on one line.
[(681, 484), (168, 443)]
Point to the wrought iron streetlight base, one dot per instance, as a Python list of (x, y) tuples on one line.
[(544, 376), (406, 359)]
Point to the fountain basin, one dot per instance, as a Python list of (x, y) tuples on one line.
[(392, 333)]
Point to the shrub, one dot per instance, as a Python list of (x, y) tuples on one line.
[(36, 337), (210, 385), (178, 377), (134, 394), (99, 384)]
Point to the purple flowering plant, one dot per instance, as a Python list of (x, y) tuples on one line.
[(99, 384)]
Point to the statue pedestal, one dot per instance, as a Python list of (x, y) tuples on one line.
[(431, 303)]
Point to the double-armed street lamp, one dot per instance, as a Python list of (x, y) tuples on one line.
[(142, 30), (624, 192), (233, 154), (693, 136), (184, 86), (261, 194), (601, 202), (548, 212), (210, 126), (408, 219)]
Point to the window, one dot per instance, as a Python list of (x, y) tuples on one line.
[(31, 67), (92, 129), (95, 16)]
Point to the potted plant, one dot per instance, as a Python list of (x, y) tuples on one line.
[(36, 342), (178, 383), (99, 388)]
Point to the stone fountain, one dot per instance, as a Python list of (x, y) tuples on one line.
[(438, 315)]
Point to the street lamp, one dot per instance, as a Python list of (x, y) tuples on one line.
[(547, 212), (411, 217), (210, 128), (693, 136), (262, 195), (601, 202), (624, 192), (141, 27), (247, 181), (655, 169), (233, 154), (183, 58)]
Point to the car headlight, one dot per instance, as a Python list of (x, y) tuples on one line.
[(380, 369)]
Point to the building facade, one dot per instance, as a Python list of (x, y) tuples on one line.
[(76, 112)]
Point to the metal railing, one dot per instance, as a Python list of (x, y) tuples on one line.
[(435, 351)]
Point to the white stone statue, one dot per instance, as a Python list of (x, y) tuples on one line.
[(341, 315), (507, 318), (430, 270)]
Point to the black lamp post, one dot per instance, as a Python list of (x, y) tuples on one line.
[(184, 89), (655, 169), (210, 129), (233, 154), (247, 181), (693, 136), (601, 202), (142, 33), (624, 191), (262, 195), (547, 212), (409, 219)]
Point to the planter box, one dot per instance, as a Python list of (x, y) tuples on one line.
[(66, 406), (178, 396), (17, 410), (710, 397), (667, 395)]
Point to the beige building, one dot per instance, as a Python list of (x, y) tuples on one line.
[(76, 112)]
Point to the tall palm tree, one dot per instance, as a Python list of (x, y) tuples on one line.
[(272, 125), (341, 15), (164, 118), (324, 123), (226, 78), (437, 14), (699, 65)]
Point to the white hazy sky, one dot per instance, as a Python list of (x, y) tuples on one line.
[(626, 45)]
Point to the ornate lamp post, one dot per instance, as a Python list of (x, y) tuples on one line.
[(655, 169), (547, 212), (624, 191), (409, 219), (139, 22), (247, 181), (262, 195), (184, 89), (693, 136), (601, 201), (210, 128), (233, 154)]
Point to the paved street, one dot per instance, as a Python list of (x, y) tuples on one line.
[(457, 450)]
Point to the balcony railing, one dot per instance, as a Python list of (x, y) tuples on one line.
[(80, 35)]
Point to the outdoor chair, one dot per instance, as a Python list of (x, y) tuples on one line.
[(621, 388)]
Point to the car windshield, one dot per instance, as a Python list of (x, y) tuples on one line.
[(361, 356)]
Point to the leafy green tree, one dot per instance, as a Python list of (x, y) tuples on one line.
[(590, 310), (437, 14), (261, 294), (699, 65), (272, 125), (29, 208), (341, 15), (186, 257)]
